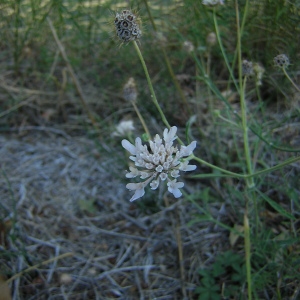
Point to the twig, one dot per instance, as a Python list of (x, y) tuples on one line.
[(125, 269), (40, 128), (118, 234), (39, 265)]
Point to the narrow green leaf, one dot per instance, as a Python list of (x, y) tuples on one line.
[(276, 206)]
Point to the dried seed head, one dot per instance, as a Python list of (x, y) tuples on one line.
[(188, 46), (129, 90), (281, 61), (258, 72), (247, 68), (127, 26), (211, 39)]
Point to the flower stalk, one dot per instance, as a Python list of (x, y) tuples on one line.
[(153, 96)]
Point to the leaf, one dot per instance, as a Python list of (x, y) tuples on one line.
[(4, 289), (218, 270), (189, 123), (276, 206), (233, 236), (87, 205)]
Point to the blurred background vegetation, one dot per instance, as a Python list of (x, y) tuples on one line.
[(30, 58)]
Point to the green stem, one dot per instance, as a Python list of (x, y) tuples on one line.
[(242, 30), (290, 79), (248, 254), (141, 119), (244, 16), (153, 96), (216, 168), (150, 15), (168, 63), (250, 182), (223, 50), (237, 175), (279, 166)]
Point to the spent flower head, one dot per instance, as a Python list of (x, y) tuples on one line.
[(129, 90), (281, 61), (127, 26), (161, 162), (124, 128), (212, 2), (247, 68)]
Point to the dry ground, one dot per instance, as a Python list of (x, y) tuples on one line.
[(60, 196)]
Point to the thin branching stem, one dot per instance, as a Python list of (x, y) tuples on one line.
[(248, 253), (250, 181), (141, 119), (237, 175), (223, 50), (290, 79), (168, 63)]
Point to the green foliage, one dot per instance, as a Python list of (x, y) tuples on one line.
[(226, 275)]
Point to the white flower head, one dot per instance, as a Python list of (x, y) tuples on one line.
[(159, 163), (124, 128), (212, 2)]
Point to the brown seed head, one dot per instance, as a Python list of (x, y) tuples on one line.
[(127, 26), (281, 61)]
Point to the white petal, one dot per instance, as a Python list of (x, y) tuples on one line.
[(163, 176), (145, 175), (138, 194), (169, 136), (129, 147), (149, 166), (134, 186), (154, 184), (138, 145), (186, 167), (133, 172), (190, 168), (173, 187), (138, 188), (188, 150), (159, 169), (176, 193), (175, 173)]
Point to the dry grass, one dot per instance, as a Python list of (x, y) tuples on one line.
[(118, 250)]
